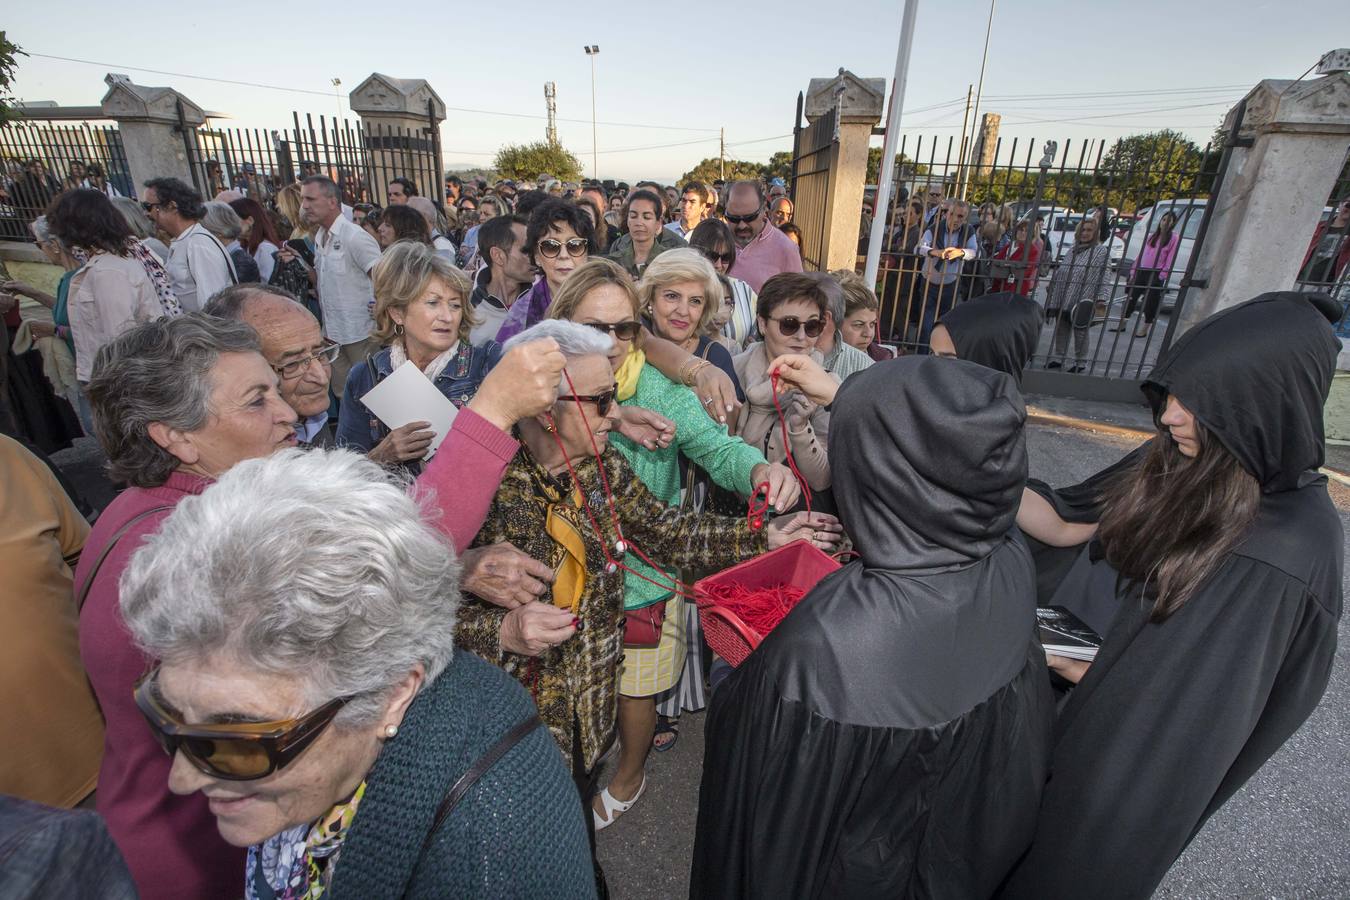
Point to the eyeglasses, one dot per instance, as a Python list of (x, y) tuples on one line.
[(149, 207), (624, 331), (325, 356), (549, 248), (788, 326), (602, 401), (742, 220), (728, 258), (242, 752)]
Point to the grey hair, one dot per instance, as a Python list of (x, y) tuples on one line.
[(222, 221), (41, 231), (158, 372), (834, 295), (228, 303), (313, 564), (573, 339), (135, 217), (954, 203)]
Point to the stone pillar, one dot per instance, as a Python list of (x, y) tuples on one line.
[(152, 131), (1273, 193), (986, 144), (400, 137), (860, 102)]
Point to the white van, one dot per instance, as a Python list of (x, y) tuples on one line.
[(1189, 211)]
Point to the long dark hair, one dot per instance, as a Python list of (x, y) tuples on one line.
[(262, 228), (1170, 219), (86, 219), (407, 224), (1169, 524)]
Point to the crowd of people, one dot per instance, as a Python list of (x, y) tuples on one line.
[(308, 651)]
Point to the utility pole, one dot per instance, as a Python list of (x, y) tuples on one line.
[(961, 150), (337, 83), (979, 91), (593, 50), (722, 153), (551, 99)]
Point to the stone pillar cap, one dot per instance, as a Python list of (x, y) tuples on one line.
[(863, 98), (383, 95), (1319, 106), (128, 102)]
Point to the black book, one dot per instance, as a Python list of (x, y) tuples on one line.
[(1064, 634)]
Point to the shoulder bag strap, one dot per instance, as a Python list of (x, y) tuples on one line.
[(108, 548), (475, 772)]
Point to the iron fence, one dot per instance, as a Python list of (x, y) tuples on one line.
[(43, 157), (813, 150), (1108, 300)]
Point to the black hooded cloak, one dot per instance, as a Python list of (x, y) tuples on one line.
[(998, 331), (1173, 717), (890, 737)]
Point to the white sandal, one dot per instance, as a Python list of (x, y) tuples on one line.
[(615, 808)]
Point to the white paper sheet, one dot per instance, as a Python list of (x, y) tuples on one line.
[(407, 395)]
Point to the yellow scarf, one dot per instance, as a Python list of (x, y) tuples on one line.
[(627, 376), (563, 524)]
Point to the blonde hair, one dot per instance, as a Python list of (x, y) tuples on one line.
[(675, 267), (288, 204), (857, 295), (403, 274), (594, 273)]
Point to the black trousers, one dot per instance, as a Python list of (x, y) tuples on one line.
[(1148, 284)]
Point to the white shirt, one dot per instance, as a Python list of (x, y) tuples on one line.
[(343, 258), (265, 260), (198, 267)]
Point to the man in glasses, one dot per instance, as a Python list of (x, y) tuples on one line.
[(198, 264), (945, 246), (763, 252)]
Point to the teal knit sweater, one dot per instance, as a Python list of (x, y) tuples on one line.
[(518, 832), (727, 460)]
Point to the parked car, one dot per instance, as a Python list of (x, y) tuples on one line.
[(1059, 237), (1189, 212)]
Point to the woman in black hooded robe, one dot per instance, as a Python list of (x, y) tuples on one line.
[(889, 738), (997, 330), (1215, 578)]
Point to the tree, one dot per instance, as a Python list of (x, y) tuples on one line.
[(906, 166), (8, 62), (529, 161), (710, 170), (779, 166), (1143, 168)]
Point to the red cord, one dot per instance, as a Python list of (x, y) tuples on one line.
[(758, 506), (787, 446)]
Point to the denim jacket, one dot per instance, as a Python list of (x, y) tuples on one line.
[(359, 429)]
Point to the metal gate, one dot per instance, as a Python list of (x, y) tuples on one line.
[(43, 157), (813, 151), (1106, 322), (361, 158)]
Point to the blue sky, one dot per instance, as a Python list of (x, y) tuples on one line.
[(692, 67)]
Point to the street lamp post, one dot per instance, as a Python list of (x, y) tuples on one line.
[(593, 50)]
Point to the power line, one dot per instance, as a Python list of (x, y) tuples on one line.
[(326, 94)]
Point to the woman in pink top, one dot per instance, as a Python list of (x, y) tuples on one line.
[(176, 403), (1148, 275)]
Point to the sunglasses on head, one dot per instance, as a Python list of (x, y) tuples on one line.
[(233, 752), (624, 331), (788, 326), (729, 257), (602, 401), (743, 220), (549, 248)]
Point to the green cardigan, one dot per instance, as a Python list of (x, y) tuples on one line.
[(519, 830), (727, 460), (622, 251)]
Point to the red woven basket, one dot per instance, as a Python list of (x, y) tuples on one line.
[(799, 564)]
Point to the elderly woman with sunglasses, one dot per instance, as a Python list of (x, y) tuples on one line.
[(579, 507), (307, 687), (422, 315), (791, 319), (602, 296)]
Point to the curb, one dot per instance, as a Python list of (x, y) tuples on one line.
[(1040, 417)]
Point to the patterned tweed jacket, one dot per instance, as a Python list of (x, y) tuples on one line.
[(576, 683)]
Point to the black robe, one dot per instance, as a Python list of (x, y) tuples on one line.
[(890, 737), (999, 331), (1173, 717)]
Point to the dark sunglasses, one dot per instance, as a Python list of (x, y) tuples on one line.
[(790, 325), (243, 752), (728, 258), (602, 401), (742, 220), (149, 207), (549, 248), (624, 331)]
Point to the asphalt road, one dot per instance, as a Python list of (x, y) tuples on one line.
[(1285, 834)]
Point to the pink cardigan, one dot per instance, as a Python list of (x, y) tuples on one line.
[(1155, 257), (171, 843)]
